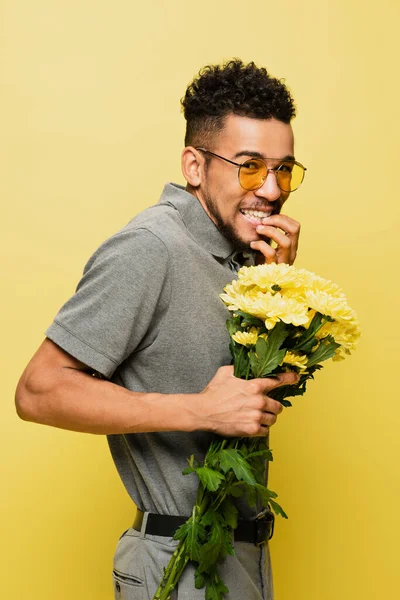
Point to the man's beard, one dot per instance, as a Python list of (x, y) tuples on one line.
[(225, 228)]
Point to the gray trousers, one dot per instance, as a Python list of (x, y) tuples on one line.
[(139, 561)]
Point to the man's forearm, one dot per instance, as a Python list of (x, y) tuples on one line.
[(72, 399)]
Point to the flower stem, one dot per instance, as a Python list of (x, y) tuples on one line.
[(173, 572), (236, 368)]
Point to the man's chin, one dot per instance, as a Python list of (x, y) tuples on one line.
[(242, 245)]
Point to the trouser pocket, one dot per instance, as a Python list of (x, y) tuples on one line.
[(128, 575), (126, 586)]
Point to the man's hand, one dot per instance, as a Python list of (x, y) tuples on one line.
[(235, 407), (285, 232)]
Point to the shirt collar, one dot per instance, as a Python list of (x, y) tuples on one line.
[(197, 221)]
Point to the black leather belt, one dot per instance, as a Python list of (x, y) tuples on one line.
[(255, 532)]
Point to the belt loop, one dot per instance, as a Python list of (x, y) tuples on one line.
[(144, 525)]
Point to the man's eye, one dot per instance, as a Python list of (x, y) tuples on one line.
[(252, 165), (285, 168)]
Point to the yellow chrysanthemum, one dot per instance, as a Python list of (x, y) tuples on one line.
[(269, 307), (249, 303), (333, 306), (281, 292), (236, 288), (278, 308), (238, 297), (266, 276), (345, 334), (316, 283), (246, 338), (339, 355), (296, 360)]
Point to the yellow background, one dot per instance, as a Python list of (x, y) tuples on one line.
[(89, 104)]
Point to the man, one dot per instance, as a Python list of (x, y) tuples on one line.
[(147, 321)]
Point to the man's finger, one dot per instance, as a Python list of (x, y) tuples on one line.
[(284, 222), (274, 234), (266, 250), (287, 378), (270, 383), (273, 406)]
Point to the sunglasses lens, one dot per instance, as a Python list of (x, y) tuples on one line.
[(290, 175), (252, 174)]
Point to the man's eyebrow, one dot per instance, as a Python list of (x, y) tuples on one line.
[(253, 154)]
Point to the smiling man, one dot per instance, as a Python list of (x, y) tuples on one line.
[(146, 320)]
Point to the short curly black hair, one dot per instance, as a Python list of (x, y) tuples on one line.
[(232, 88)]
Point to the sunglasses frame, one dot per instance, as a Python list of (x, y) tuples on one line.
[(274, 169)]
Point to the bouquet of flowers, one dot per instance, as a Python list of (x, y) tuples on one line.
[(283, 319)]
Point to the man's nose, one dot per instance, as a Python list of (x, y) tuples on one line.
[(269, 189)]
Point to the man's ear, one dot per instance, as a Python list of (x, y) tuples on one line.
[(192, 166)]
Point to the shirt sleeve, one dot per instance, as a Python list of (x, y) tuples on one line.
[(118, 303)]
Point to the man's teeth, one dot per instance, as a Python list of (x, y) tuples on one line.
[(256, 213)]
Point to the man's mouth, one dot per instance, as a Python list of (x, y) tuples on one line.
[(256, 217)]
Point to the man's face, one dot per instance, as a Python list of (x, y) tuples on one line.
[(230, 206)]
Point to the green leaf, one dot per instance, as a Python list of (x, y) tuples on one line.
[(264, 367), (209, 517), (181, 532), (249, 319), (255, 363), (267, 355), (278, 510), (286, 391), (209, 478), (266, 453), (229, 513), (241, 361), (307, 340), (215, 548), (212, 455), (228, 543), (199, 580), (317, 322), (251, 496), (261, 348), (277, 335), (235, 491), (244, 448), (194, 533), (286, 403), (325, 350), (215, 587), (193, 464), (188, 470), (306, 345), (232, 326), (233, 459), (265, 494)]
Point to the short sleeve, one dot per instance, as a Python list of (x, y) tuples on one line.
[(118, 302)]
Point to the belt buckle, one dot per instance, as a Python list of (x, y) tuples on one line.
[(264, 528)]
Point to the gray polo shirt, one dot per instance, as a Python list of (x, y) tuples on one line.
[(147, 315)]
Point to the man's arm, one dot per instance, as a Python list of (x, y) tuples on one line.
[(58, 390)]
